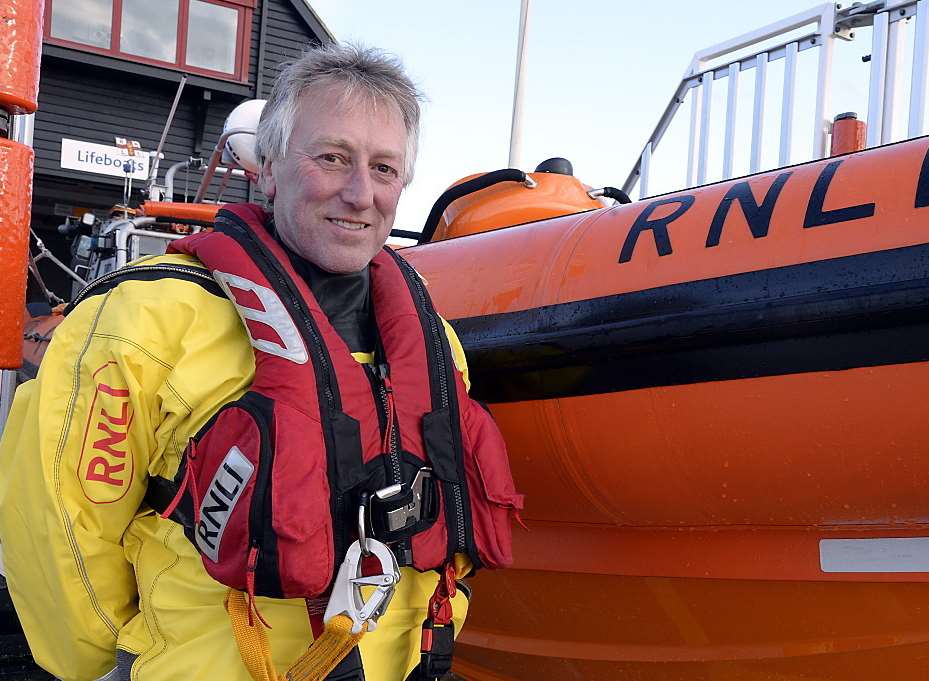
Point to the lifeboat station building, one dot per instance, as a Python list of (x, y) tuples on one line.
[(110, 74)]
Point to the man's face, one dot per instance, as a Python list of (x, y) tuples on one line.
[(336, 189)]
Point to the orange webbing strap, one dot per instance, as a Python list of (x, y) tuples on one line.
[(315, 664)]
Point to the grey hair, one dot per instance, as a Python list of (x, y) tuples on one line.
[(359, 71)]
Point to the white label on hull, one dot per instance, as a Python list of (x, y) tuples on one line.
[(891, 554)]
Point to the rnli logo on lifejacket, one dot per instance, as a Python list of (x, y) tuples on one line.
[(220, 500), (272, 329), (106, 467)]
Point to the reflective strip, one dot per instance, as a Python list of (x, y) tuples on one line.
[(273, 314), (220, 499)]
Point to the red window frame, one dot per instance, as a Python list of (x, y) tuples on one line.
[(245, 8)]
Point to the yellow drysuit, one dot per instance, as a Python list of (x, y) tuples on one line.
[(129, 376)]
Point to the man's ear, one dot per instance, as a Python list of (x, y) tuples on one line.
[(266, 180)]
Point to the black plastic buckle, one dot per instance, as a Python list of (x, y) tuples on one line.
[(438, 646)]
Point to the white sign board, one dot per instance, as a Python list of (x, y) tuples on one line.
[(100, 158)]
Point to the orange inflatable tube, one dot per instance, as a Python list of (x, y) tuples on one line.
[(20, 53), (715, 401)]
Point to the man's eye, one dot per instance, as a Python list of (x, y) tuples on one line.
[(334, 159), (384, 169)]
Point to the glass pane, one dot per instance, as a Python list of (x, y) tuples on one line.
[(211, 36), (83, 21), (149, 29)]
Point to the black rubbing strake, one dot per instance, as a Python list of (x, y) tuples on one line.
[(863, 310)]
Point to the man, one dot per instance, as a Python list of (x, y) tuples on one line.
[(145, 362)]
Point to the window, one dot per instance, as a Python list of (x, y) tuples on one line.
[(200, 36), (211, 49), (87, 22), (149, 29)]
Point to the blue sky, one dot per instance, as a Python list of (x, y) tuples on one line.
[(599, 75)]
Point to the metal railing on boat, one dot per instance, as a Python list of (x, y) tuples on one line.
[(826, 24)]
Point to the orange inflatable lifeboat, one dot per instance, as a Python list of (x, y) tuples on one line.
[(715, 401)]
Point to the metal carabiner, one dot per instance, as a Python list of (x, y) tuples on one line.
[(347, 598)]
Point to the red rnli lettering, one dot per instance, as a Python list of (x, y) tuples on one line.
[(100, 470), (115, 392), (104, 468)]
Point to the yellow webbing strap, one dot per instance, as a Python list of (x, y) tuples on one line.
[(326, 652), (315, 664)]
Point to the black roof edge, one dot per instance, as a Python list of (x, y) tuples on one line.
[(145, 70), (311, 19)]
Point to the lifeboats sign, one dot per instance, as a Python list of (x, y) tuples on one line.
[(89, 157)]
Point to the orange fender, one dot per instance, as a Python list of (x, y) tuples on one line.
[(15, 210), (20, 53)]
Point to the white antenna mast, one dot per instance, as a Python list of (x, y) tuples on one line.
[(516, 130)]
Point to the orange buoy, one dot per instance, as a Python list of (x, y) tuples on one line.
[(20, 53), (15, 210), (848, 134), (715, 402)]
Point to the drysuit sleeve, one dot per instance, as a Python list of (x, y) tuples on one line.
[(74, 459), (457, 353)]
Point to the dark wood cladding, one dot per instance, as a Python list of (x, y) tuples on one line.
[(285, 39), (93, 98)]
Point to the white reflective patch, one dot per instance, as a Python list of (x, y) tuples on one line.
[(274, 315), (221, 497), (891, 554)]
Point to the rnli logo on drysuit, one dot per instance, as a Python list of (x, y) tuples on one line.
[(220, 499), (105, 468)]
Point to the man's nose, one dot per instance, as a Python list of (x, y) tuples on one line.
[(358, 191)]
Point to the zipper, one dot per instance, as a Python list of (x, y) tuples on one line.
[(425, 304), (129, 271), (256, 512), (391, 445), (387, 419), (340, 532)]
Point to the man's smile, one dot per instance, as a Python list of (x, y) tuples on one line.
[(352, 225)]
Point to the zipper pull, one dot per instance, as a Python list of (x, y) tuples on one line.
[(250, 568)]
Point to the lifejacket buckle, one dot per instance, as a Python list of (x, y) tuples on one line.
[(347, 598), (411, 513)]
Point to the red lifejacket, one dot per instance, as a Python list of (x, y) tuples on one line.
[(270, 486)]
